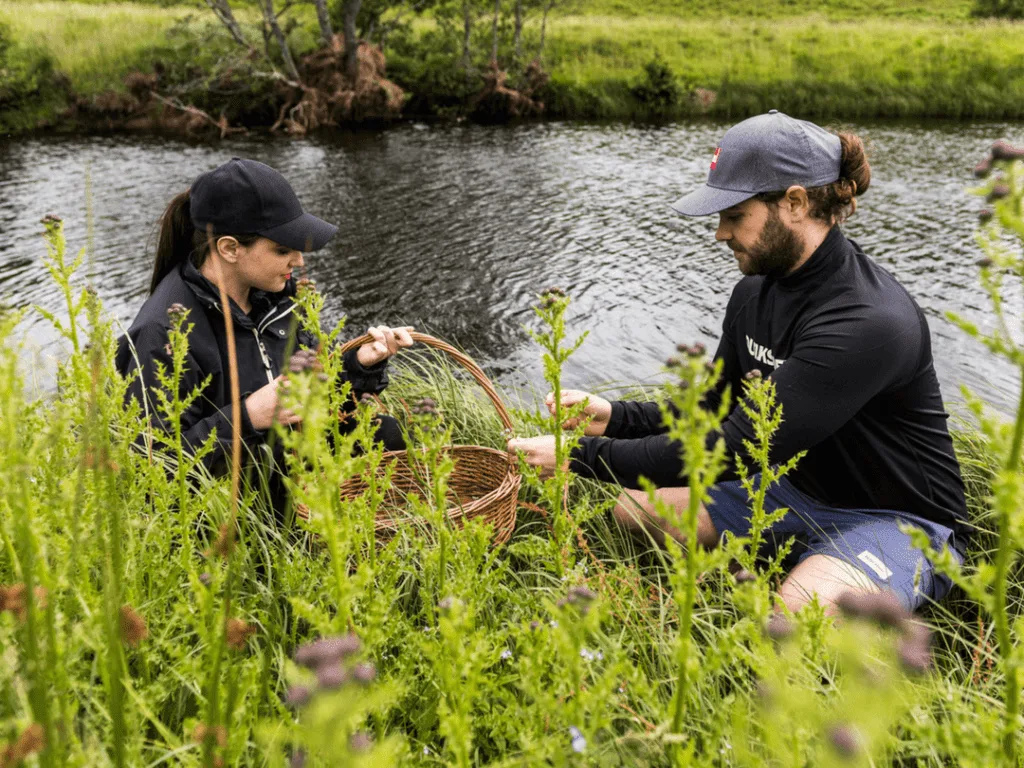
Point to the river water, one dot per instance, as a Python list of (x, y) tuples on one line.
[(455, 229)]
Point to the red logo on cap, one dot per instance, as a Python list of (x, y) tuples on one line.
[(714, 160)]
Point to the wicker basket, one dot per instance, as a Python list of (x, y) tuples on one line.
[(484, 483)]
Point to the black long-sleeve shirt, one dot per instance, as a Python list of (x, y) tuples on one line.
[(850, 354)]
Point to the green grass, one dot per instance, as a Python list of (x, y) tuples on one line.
[(842, 60)]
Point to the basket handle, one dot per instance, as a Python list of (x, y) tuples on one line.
[(460, 357)]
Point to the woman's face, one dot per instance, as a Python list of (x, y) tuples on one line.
[(265, 265)]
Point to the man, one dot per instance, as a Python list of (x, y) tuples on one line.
[(849, 352)]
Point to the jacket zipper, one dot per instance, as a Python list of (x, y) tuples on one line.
[(264, 356)]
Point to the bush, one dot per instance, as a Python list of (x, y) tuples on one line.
[(999, 9), (660, 90)]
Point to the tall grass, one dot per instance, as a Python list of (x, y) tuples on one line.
[(146, 626)]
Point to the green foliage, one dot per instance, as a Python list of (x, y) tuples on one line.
[(998, 9), (146, 618), (27, 80), (659, 89)]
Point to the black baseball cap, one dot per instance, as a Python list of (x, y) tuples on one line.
[(766, 153), (245, 196)]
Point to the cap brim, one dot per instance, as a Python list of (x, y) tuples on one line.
[(303, 233), (706, 200)]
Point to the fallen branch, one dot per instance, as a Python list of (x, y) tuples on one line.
[(222, 124)]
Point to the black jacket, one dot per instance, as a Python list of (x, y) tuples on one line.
[(262, 338), (850, 354)]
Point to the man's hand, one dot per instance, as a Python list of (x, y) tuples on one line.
[(537, 451), (264, 409), (386, 342), (596, 414)]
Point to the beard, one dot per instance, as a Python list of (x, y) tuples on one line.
[(777, 250)]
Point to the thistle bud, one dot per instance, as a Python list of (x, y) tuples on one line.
[(753, 375), (985, 216), (984, 263), (883, 608), (697, 350), (582, 595), (998, 192), (203, 734), (237, 632), (51, 220), (364, 674), (778, 627), (205, 579), (133, 628), (743, 576), (673, 362), (327, 650), (298, 759), (305, 284), (297, 696), (914, 650), (330, 676), (983, 169), (176, 311), (360, 741), (1004, 150), (845, 740)]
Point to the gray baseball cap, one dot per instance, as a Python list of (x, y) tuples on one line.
[(767, 153)]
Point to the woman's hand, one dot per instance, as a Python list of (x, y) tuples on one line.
[(264, 409), (386, 342), (537, 451), (596, 414)]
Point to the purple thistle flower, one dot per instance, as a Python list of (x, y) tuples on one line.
[(298, 759), (360, 741), (330, 676), (327, 649), (364, 674), (297, 695), (778, 627), (845, 740)]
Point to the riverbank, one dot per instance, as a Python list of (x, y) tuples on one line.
[(69, 59)]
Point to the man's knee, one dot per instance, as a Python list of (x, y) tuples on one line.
[(825, 577)]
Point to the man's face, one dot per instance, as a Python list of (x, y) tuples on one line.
[(760, 240)]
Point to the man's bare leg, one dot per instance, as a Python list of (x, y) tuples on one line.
[(822, 575), (635, 512), (827, 577)]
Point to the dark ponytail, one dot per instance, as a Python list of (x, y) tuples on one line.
[(176, 240), (179, 240)]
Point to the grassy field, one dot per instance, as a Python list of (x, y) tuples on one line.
[(843, 60)]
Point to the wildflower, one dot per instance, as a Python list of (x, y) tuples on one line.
[(582, 595), (167, 350), (133, 627), (578, 742), (673, 362), (551, 296), (778, 627), (225, 544), (364, 674), (984, 263), (984, 216), (297, 695), (12, 598), (203, 734), (998, 192), (31, 740), (176, 311), (330, 676), (304, 284), (51, 220), (845, 740), (554, 624), (753, 375), (327, 650), (303, 361), (426, 750), (622, 688), (914, 650), (1004, 150), (298, 759), (765, 692), (361, 741), (743, 576), (983, 169), (884, 608), (205, 579), (697, 350), (238, 632), (448, 605), (534, 626), (506, 655), (425, 407), (588, 655), (367, 399)]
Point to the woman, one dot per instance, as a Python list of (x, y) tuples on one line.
[(240, 227)]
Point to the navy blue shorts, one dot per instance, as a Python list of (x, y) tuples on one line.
[(870, 539)]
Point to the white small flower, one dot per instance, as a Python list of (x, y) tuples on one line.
[(586, 654), (506, 654), (622, 688), (426, 750), (578, 742), (554, 624)]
